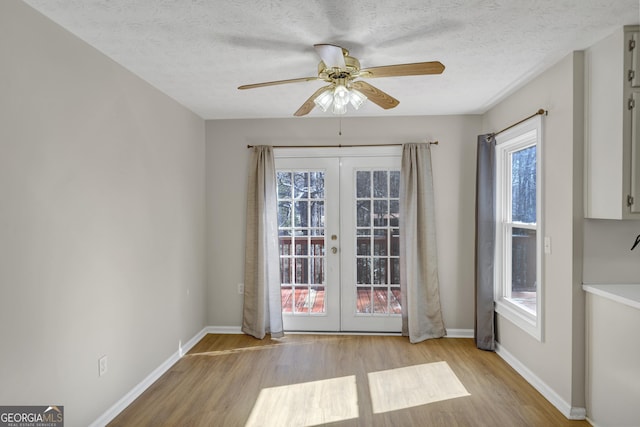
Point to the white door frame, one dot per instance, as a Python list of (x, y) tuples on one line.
[(339, 316)]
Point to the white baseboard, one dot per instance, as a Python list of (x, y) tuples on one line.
[(459, 333), (136, 391), (451, 333), (554, 398), (223, 330)]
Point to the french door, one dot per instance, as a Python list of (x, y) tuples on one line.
[(339, 241)]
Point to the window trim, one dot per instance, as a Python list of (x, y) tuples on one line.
[(523, 135)]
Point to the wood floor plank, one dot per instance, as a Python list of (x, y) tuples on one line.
[(218, 382)]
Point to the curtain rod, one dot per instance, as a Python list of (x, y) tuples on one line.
[(341, 145), (537, 113)]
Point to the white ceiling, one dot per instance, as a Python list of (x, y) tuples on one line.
[(199, 51)]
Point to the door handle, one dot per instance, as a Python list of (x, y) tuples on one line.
[(334, 250)]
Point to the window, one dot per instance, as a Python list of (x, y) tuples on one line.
[(518, 284)]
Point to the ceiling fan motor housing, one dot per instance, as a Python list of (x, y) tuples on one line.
[(351, 71)]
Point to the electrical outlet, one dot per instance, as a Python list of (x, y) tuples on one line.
[(241, 288), (102, 366)]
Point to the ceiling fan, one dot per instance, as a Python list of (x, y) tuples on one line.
[(341, 71)]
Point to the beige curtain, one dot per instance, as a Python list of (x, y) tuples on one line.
[(421, 314), (262, 308)]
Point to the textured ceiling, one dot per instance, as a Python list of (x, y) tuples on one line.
[(199, 51)]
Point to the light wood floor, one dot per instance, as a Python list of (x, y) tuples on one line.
[(218, 382)]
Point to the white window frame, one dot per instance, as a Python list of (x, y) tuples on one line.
[(517, 138)]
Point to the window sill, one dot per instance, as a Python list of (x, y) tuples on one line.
[(520, 317)]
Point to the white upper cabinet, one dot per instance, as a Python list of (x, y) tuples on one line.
[(633, 45), (612, 120)]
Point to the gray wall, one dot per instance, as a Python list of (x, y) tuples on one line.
[(558, 361), (101, 221), (454, 186)]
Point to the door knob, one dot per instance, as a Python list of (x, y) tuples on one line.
[(334, 250)]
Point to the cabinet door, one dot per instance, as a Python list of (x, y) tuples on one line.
[(633, 46), (635, 151)]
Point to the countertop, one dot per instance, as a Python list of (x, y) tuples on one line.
[(627, 294)]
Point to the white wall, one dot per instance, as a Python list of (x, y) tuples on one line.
[(454, 185), (608, 257), (557, 361), (101, 221)]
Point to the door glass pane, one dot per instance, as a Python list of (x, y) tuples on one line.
[(300, 214), (380, 242), (302, 300), (395, 243), (523, 185), (363, 300), (363, 270), (316, 185), (377, 243), (380, 213), (284, 185), (317, 246), (394, 300), (364, 213), (363, 244), (285, 270), (317, 214), (380, 271), (287, 299), (284, 214), (394, 184), (301, 185), (301, 230), (394, 271), (363, 184), (523, 268), (301, 271), (380, 300), (301, 245), (380, 184), (394, 213)]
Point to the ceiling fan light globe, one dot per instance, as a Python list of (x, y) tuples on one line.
[(324, 100), (339, 109), (356, 98), (341, 96)]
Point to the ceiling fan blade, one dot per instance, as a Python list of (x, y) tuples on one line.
[(417, 69), (309, 104), (331, 55), (375, 95), (278, 82)]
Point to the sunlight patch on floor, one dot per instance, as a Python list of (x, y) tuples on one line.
[(411, 386), (306, 404)]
